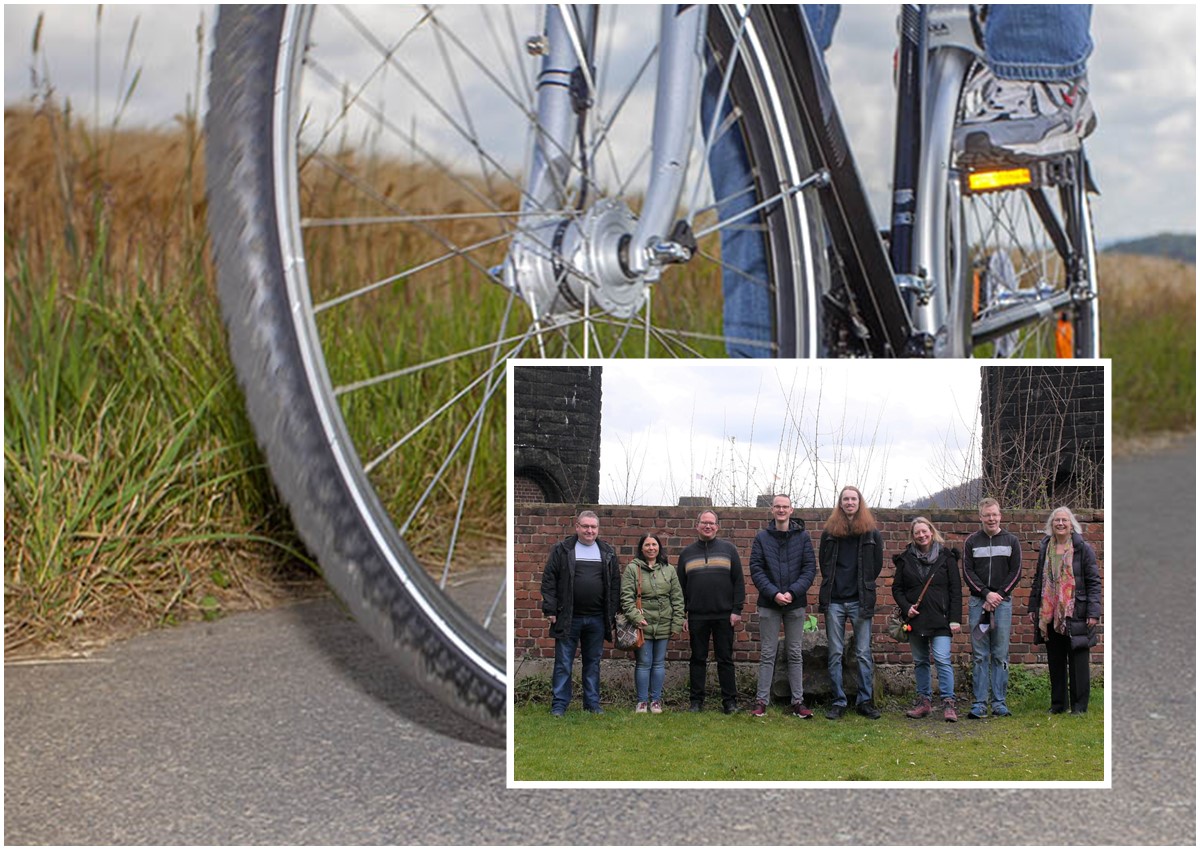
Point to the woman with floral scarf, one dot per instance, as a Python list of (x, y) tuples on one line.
[(1064, 607)]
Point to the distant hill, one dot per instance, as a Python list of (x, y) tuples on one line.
[(961, 496), (1173, 246)]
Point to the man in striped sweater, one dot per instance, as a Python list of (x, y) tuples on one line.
[(714, 590), (991, 569)]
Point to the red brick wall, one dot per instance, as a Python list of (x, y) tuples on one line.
[(527, 490), (539, 527)]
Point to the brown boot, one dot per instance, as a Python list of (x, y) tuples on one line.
[(948, 711), (923, 708)]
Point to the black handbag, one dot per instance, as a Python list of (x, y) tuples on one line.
[(1083, 636)]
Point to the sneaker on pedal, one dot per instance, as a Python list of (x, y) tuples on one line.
[(1022, 119)]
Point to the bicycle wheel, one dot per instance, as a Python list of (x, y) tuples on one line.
[(365, 185), (1020, 254)]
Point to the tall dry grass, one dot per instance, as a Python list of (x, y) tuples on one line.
[(133, 490), (1148, 328), (134, 494)]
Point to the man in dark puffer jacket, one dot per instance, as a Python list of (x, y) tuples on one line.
[(782, 567)]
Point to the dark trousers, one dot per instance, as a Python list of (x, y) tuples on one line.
[(720, 630), (1069, 675)]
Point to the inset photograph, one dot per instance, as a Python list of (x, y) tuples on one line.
[(825, 574)]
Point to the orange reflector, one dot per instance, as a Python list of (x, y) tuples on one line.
[(1064, 337), (979, 181)]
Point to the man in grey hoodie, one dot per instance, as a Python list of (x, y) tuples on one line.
[(991, 569)]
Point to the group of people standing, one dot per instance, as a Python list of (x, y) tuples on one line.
[(583, 588)]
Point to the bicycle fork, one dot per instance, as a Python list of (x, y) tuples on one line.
[(569, 254)]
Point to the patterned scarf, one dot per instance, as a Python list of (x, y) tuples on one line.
[(925, 561), (1058, 590)]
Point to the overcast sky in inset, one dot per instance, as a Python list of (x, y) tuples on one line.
[(733, 430)]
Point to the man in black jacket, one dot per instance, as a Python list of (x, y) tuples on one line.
[(714, 590), (581, 592), (991, 569), (782, 567), (850, 557)]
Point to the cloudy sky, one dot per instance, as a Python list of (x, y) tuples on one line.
[(734, 429), (1143, 76)]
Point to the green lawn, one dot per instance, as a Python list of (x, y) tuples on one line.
[(676, 745)]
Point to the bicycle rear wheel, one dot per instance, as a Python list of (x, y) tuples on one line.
[(365, 181), (1021, 255)]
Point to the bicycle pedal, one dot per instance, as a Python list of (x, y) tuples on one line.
[(1005, 173)]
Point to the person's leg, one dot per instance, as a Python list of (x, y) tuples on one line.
[(591, 647), (1035, 101), (920, 654), (747, 317), (835, 634), (641, 671), (939, 648), (564, 659), (1001, 635), (822, 19), (1081, 684), (747, 293), (1057, 650), (768, 642), (862, 649), (981, 654), (698, 633), (1038, 42), (723, 649), (658, 668), (793, 638)]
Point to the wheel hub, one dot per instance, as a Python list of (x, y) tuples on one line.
[(569, 266)]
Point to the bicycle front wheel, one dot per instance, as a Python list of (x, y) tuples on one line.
[(366, 173)]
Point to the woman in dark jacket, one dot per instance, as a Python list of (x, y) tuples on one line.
[(1064, 607), (934, 617)]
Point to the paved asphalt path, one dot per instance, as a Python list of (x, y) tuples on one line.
[(289, 727)]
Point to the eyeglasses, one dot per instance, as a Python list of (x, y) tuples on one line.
[(706, 523)]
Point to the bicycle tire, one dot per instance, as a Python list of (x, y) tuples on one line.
[(1020, 264), (289, 359)]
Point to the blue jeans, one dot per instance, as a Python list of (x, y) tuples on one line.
[(939, 647), (991, 656), (1020, 42), (1043, 42), (835, 630), (744, 280), (587, 633), (650, 670)]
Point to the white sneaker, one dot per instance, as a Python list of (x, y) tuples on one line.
[(641, 708), (1023, 118), (656, 707)]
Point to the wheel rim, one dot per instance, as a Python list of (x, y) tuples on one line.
[(387, 237)]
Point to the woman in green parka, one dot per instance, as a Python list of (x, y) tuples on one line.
[(660, 616)]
